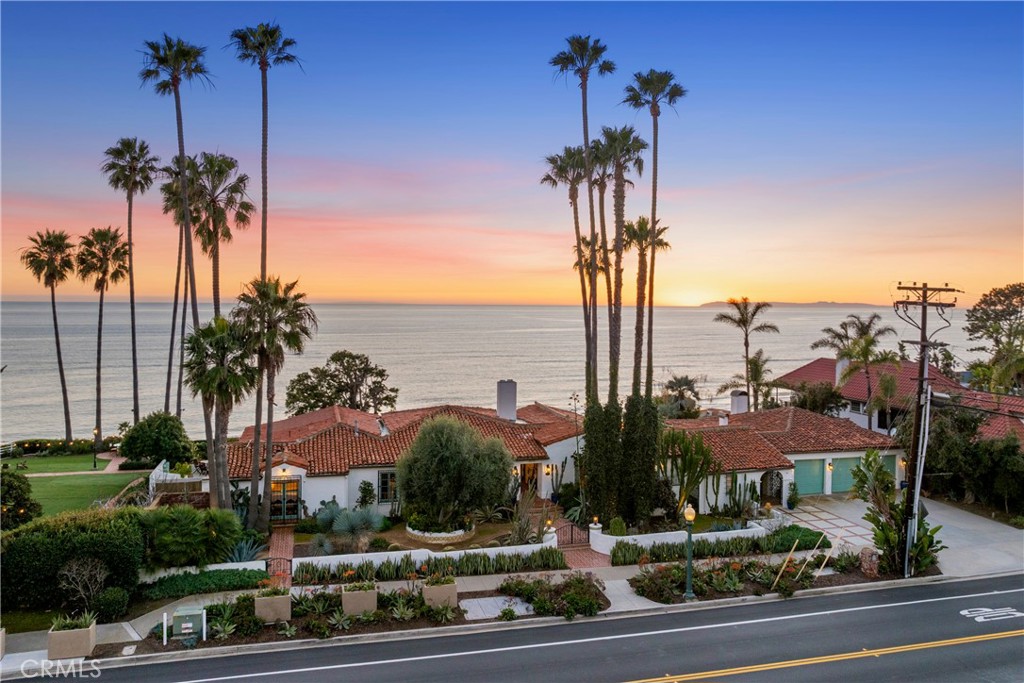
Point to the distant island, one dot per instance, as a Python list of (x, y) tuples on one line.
[(816, 304)]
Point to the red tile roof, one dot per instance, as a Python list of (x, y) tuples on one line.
[(738, 449), (1001, 426), (795, 430), (855, 389), (340, 447), (307, 424)]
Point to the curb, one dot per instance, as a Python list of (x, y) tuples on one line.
[(488, 626)]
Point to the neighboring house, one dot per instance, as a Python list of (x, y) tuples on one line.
[(775, 447), (330, 452), (1005, 413)]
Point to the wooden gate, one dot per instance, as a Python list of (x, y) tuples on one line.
[(569, 535)]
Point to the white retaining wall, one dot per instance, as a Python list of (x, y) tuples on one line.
[(421, 555), (150, 577), (602, 542)]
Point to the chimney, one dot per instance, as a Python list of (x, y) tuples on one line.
[(507, 399), (841, 365), (738, 401), (723, 421)]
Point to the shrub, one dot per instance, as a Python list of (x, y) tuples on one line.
[(367, 496), (16, 497), (181, 585), (508, 614), (617, 527), (450, 470), (1017, 522), (34, 553), (845, 560), (111, 604), (158, 436), (307, 525), (793, 499), (379, 544), (181, 536), (318, 628), (81, 579), (578, 594), (624, 552), (63, 622), (137, 465)]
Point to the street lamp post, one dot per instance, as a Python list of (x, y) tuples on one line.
[(689, 514), (95, 450)]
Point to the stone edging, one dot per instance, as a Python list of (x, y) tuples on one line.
[(440, 538)]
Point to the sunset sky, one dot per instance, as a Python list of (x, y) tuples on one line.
[(824, 150)]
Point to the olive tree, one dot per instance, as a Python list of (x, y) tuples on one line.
[(448, 471)]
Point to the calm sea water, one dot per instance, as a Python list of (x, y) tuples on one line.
[(434, 354)]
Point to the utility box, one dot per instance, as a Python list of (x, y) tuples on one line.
[(187, 621)]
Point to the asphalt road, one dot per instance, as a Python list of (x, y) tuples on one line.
[(914, 633)]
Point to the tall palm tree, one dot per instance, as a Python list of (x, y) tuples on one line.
[(683, 389), (602, 172), (650, 91), (567, 169), (166, 64), (745, 320), (263, 45), (278, 319), (220, 199), (131, 168), (583, 56), (755, 378), (638, 236), (625, 150), (856, 340), (103, 257), (51, 260), (219, 367)]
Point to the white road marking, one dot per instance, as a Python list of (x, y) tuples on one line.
[(596, 639), (983, 614)]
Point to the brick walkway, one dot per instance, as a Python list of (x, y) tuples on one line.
[(585, 558), (281, 549)]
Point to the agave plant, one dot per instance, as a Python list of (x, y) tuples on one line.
[(327, 514), (355, 528), (246, 550)]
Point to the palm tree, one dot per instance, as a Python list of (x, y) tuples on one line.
[(263, 45), (745, 319), (856, 340), (755, 379), (567, 169), (602, 171), (624, 149), (220, 199), (650, 90), (166, 64), (102, 256), (131, 168), (583, 56), (638, 236), (277, 319), (51, 260), (219, 367), (886, 398)]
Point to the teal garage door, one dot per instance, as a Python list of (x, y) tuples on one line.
[(842, 474), (810, 476)]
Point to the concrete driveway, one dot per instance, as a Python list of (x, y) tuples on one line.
[(977, 545)]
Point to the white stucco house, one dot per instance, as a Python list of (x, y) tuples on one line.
[(330, 452)]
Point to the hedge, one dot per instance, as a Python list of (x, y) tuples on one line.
[(35, 552), (781, 541), (213, 581)]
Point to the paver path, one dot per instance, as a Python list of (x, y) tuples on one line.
[(837, 526), (113, 463), (282, 548)]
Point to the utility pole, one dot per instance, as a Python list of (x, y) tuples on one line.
[(923, 297)]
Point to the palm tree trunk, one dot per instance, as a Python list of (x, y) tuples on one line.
[(606, 264), (583, 288), (98, 431), (60, 365), (263, 179), (867, 381), (254, 483), (746, 363), (215, 258), (592, 329), (131, 307), (654, 250), (268, 459), (220, 454), (638, 333), (174, 324), (615, 325), (189, 260), (211, 460), (181, 345)]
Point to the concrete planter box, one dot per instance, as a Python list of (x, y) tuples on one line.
[(357, 602), (71, 644), (435, 596), (274, 608)]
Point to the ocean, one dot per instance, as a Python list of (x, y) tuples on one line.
[(434, 355)]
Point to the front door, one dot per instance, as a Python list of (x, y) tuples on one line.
[(285, 497), (529, 477)]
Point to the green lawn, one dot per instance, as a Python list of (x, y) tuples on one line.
[(75, 492), (57, 463)]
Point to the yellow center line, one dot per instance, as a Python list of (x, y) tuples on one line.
[(755, 668)]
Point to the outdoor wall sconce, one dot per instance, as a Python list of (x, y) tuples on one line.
[(284, 472), (831, 467), (515, 471), (547, 470), (903, 463)]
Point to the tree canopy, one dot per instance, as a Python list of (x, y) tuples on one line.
[(347, 379), (157, 437), (820, 397), (18, 504), (449, 470), (998, 317)]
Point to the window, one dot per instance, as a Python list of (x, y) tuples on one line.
[(387, 487)]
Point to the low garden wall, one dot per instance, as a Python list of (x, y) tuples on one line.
[(602, 542), (421, 555), (150, 577)]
